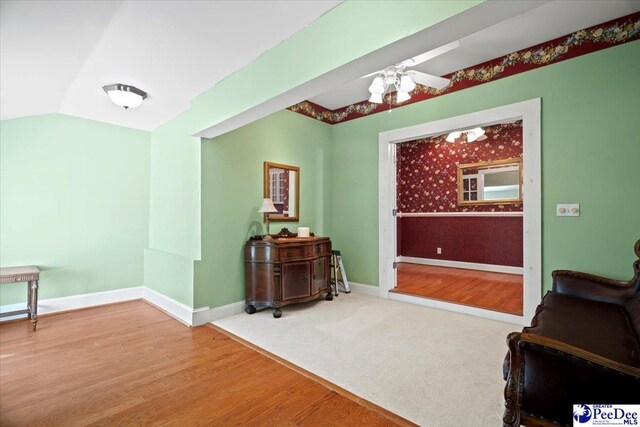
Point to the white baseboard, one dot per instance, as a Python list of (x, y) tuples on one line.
[(460, 264), (75, 302), (458, 308), (179, 311), (228, 310), (185, 314), (361, 288)]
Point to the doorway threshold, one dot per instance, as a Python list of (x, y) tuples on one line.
[(457, 307)]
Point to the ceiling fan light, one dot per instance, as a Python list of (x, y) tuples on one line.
[(453, 136), (402, 96), (124, 95), (376, 98), (471, 136), (377, 86), (406, 84), (478, 131)]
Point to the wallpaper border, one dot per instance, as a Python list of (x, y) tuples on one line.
[(602, 36)]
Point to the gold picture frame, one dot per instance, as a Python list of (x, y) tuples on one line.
[(486, 165)]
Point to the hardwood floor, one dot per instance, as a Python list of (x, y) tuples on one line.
[(493, 291), (130, 364)]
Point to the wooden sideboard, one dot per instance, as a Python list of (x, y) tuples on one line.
[(286, 270)]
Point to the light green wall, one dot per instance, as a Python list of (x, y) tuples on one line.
[(175, 160), (174, 216), (356, 27), (590, 155), (74, 200), (232, 175)]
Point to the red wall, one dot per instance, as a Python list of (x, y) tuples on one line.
[(426, 169), (484, 240)]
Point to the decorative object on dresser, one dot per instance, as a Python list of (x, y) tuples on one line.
[(282, 185), (285, 270), (582, 347), (31, 275), (267, 208)]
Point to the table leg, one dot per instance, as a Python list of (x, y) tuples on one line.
[(34, 303), (29, 299)]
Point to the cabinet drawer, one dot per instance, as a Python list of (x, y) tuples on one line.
[(295, 252), (323, 249)]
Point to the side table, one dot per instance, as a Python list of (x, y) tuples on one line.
[(31, 275)]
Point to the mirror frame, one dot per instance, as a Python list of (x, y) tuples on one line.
[(265, 186), (461, 167)]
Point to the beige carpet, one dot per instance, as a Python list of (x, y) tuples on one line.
[(433, 367)]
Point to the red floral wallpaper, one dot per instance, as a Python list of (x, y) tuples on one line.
[(426, 169)]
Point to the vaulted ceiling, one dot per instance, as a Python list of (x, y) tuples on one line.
[(55, 56)]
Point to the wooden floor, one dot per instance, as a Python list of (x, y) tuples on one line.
[(131, 364), (483, 289)]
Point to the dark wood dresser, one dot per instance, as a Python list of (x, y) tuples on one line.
[(286, 270)]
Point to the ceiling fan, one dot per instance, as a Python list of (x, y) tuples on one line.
[(404, 81)]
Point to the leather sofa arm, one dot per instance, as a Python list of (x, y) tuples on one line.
[(591, 287), (596, 288), (520, 343)]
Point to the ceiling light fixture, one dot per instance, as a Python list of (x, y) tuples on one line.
[(401, 79), (124, 95), (470, 135), (388, 80)]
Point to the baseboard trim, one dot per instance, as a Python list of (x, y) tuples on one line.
[(459, 264), (76, 302), (179, 311), (228, 310), (364, 289)]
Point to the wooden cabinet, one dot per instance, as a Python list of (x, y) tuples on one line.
[(286, 270)]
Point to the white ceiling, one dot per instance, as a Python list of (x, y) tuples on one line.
[(546, 22), (55, 56)]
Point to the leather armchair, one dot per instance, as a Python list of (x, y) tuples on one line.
[(582, 347)]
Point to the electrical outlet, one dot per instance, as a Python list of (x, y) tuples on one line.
[(566, 209), (439, 251)]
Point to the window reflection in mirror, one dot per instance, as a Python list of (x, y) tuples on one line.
[(493, 182), (282, 185)]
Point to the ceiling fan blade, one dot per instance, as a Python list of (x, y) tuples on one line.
[(431, 54), (371, 74), (481, 138), (428, 80)]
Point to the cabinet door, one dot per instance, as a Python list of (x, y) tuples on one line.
[(320, 275), (296, 278)]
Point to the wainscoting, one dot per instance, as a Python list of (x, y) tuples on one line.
[(482, 239)]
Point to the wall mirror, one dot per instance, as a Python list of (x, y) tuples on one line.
[(282, 185), (492, 182)]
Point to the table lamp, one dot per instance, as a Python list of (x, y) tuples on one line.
[(267, 208)]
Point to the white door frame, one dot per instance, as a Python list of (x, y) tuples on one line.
[(529, 112)]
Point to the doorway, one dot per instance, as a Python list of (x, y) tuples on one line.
[(453, 277)]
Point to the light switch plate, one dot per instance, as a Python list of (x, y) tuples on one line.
[(568, 209)]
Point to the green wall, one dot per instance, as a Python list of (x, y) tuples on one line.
[(74, 200), (357, 27), (174, 215), (590, 155), (232, 175)]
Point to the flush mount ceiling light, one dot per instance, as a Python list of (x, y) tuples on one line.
[(124, 95), (404, 81), (470, 135)]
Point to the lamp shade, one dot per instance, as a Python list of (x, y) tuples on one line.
[(376, 98), (402, 96), (267, 206), (377, 86)]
